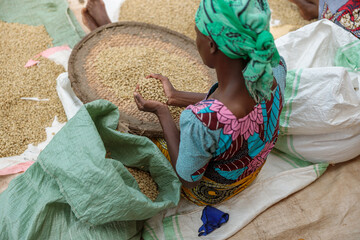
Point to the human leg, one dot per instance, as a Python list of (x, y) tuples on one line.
[(309, 9), (88, 20), (95, 13)]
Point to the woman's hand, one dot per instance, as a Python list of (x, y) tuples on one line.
[(148, 105), (175, 97), (169, 90)]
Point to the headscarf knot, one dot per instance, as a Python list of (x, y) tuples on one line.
[(265, 41)]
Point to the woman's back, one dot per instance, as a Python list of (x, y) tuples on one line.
[(237, 147)]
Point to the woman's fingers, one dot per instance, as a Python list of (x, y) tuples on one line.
[(164, 80), (157, 76), (139, 100)]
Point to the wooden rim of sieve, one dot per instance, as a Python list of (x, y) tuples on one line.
[(145, 32)]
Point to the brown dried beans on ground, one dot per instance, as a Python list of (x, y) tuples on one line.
[(176, 15), (22, 121)]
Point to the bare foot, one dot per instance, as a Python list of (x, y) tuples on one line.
[(97, 11), (308, 8), (88, 20)]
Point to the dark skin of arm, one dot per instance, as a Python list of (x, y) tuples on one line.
[(308, 8), (175, 97), (231, 92)]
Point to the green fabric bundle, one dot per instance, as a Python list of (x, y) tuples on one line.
[(240, 28), (74, 192)]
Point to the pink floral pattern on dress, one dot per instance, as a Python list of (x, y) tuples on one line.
[(245, 126), (259, 159), (198, 107)]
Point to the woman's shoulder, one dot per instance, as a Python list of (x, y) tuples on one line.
[(200, 113), (202, 130)]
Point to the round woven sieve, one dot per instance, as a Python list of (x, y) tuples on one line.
[(84, 79)]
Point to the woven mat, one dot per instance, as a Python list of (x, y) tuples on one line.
[(85, 81)]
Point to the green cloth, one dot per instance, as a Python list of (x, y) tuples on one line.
[(74, 192), (240, 28), (55, 15), (349, 56)]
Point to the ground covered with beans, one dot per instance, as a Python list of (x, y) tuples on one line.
[(23, 122), (176, 15)]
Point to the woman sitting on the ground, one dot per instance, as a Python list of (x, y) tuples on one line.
[(226, 135)]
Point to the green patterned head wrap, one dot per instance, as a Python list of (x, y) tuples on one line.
[(240, 28)]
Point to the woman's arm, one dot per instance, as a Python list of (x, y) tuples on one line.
[(184, 99), (175, 97), (171, 133)]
